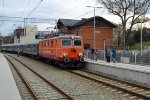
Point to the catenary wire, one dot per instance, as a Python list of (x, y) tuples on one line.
[(2, 12), (85, 13), (27, 5), (72, 8), (34, 8)]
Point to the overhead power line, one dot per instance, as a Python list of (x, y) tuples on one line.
[(29, 20), (3, 8), (34, 8), (27, 5), (2, 12), (85, 13), (73, 8)]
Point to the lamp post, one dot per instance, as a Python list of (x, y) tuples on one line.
[(94, 24), (104, 47), (142, 21), (141, 36)]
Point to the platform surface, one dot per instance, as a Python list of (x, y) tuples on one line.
[(140, 68), (129, 72), (8, 88)]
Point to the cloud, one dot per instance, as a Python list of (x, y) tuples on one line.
[(51, 9)]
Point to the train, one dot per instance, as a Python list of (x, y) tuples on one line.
[(65, 50)]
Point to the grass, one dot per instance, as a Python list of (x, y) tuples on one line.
[(137, 46)]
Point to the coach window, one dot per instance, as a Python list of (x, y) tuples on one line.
[(66, 42), (56, 43), (49, 43), (41, 44), (77, 42), (44, 44)]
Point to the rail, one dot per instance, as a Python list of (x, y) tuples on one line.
[(47, 81), (124, 89)]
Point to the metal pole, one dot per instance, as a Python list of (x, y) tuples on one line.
[(24, 27), (94, 42), (94, 30), (135, 56), (104, 50), (141, 37), (2, 41), (56, 25)]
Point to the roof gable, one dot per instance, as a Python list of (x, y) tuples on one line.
[(68, 22), (75, 23), (83, 21)]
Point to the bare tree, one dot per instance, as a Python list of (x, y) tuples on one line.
[(128, 11)]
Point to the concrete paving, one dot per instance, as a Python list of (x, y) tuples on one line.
[(8, 88), (140, 68), (135, 73)]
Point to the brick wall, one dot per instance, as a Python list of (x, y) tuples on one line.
[(87, 33)]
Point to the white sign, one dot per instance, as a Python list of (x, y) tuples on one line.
[(125, 59), (97, 31)]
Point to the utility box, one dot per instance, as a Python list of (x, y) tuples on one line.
[(146, 47)]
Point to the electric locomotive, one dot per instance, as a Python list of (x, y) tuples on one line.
[(64, 50)]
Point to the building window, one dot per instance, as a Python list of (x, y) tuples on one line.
[(86, 46), (77, 33)]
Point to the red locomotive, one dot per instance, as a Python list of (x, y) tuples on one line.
[(66, 50)]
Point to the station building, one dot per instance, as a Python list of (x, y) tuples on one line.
[(85, 29)]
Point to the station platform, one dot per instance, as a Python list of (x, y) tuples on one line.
[(8, 88), (136, 73)]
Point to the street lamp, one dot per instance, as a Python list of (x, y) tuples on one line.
[(141, 37), (142, 20), (104, 47), (94, 24)]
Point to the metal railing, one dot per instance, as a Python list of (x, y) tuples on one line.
[(125, 56)]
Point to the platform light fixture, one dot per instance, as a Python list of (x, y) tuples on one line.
[(94, 24)]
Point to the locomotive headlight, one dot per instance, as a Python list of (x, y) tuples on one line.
[(72, 37), (80, 54), (65, 54)]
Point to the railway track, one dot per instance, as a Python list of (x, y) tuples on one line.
[(126, 87), (39, 87), (77, 86)]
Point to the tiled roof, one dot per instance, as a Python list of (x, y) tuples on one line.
[(74, 23), (68, 22), (96, 17)]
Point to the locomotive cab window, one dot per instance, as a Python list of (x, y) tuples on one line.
[(66, 42), (77, 43)]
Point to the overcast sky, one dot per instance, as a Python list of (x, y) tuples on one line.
[(49, 9)]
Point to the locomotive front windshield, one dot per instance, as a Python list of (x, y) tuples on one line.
[(66, 42), (77, 43)]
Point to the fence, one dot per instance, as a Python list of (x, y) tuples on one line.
[(124, 56)]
